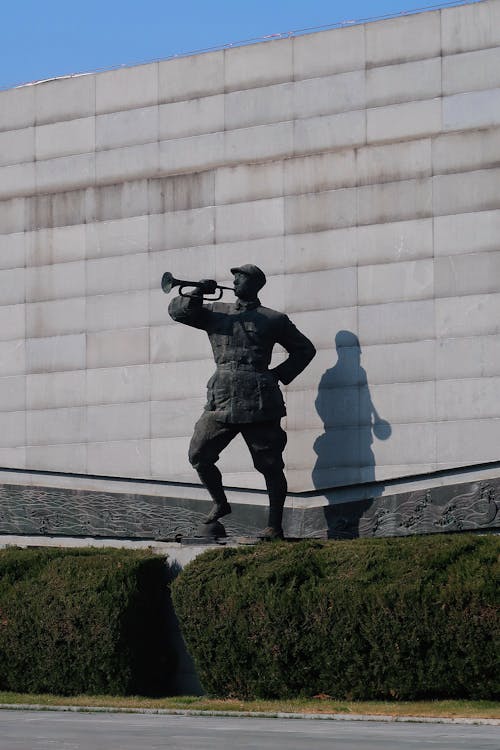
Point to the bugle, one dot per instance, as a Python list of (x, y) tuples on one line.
[(168, 282)]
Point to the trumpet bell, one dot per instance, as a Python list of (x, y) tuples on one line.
[(168, 282)]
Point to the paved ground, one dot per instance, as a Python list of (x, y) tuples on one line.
[(29, 730)]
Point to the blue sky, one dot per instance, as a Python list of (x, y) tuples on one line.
[(42, 39)]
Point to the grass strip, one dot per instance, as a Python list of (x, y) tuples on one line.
[(320, 705)]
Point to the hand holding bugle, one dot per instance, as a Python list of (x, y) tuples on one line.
[(205, 286)]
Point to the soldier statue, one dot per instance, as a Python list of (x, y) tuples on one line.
[(243, 396)]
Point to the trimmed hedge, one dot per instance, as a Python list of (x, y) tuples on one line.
[(405, 619), (83, 621)]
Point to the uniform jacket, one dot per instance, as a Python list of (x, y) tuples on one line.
[(242, 336)]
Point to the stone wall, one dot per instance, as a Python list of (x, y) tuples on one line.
[(359, 167)]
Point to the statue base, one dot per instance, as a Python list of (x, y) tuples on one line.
[(211, 531)]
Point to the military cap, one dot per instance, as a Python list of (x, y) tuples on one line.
[(253, 271)]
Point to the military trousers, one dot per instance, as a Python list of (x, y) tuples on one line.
[(265, 440)]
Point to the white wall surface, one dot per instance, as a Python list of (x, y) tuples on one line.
[(360, 167)]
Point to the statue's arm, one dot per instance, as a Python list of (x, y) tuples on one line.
[(190, 311), (300, 352)]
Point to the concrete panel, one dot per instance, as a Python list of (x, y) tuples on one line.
[(117, 274), (17, 108), (399, 362), (46, 247), (318, 172), (120, 237), (180, 380), (50, 426), (400, 403), (13, 215), (408, 81), (12, 428), (468, 316), (68, 172), (118, 348), (54, 318), (411, 449), (65, 138), (117, 422), (475, 109), (126, 88), (182, 229), (65, 458), (321, 290), (175, 418), (17, 146), (329, 95), (267, 253), (12, 357), (259, 143), (14, 458), (120, 310), (413, 37), (330, 132), (182, 263), (463, 444), (59, 209), (117, 384), (466, 233), (456, 152), (13, 286), (247, 182), (466, 192), (409, 120), (473, 398), (124, 458), (56, 389), (58, 281), (172, 343), (194, 153), (12, 322), (191, 77), (460, 358), (169, 459), (397, 241), (13, 393), (474, 26), (471, 70), (490, 355), (259, 106), (396, 321), (55, 354), (395, 201), (192, 117), (329, 52), (65, 99), (461, 275), (12, 250), (17, 179), (391, 282), (397, 161), (129, 162), (315, 212), (258, 65), (181, 192), (126, 128), (119, 201), (317, 251), (263, 218)]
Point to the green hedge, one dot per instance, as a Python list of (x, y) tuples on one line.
[(365, 619), (83, 621)]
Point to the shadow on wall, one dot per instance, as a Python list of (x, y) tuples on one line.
[(350, 421)]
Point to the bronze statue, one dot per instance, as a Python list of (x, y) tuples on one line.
[(243, 395)]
